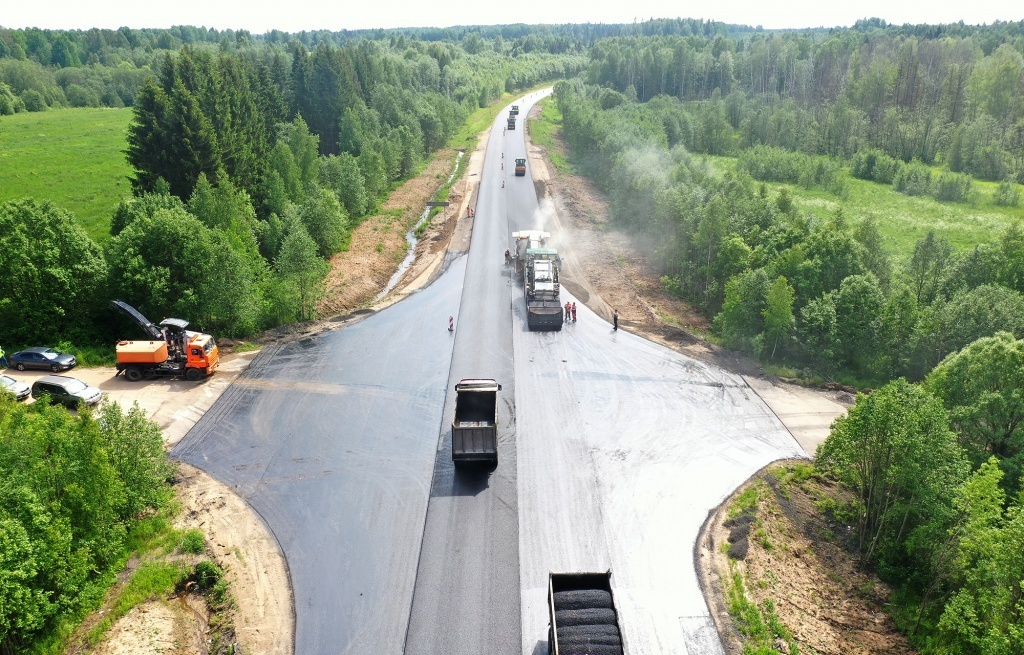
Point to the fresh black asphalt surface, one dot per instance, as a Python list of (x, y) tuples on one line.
[(331, 440)]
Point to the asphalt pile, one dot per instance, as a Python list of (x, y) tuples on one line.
[(586, 623)]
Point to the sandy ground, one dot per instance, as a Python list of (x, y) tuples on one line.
[(175, 405)]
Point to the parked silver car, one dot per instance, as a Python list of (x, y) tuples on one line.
[(69, 391), (20, 389), (45, 359)]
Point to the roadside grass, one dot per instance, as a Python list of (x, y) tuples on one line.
[(759, 625), (481, 119), (90, 356), (169, 558), (543, 131), (71, 157), (903, 220), (746, 500), (151, 580)]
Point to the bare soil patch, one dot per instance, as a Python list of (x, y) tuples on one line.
[(797, 559), (378, 243)]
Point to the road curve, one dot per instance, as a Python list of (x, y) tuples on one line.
[(331, 439)]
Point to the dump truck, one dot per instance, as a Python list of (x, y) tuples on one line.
[(520, 167), (514, 111), (172, 350), (475, 426), (582, 615), (511, 122)]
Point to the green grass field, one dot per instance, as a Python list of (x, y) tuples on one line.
[(72, 157), (544, 130), (905, 219)]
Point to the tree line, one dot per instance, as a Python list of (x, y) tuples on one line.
[(819, 292), (43, 69), (948, 96)]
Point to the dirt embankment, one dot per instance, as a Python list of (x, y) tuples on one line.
[(794, 562)]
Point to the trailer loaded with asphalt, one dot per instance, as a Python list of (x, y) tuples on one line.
[(583, 620)]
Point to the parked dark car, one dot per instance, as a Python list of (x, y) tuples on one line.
[(16, 387), (43, 359), (69, 391)]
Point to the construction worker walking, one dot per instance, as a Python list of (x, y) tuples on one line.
[(615, 321), (3, 358), (568, 312), (574, 312)]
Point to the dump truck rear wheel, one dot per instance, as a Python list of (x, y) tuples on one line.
[(133, 375), (193, 374)]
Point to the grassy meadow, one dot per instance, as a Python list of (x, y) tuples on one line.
[(72, 157), (905, 219)]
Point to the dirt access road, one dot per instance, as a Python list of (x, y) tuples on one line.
[(603, 269)]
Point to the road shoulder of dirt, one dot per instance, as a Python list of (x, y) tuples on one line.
[(794, 565)]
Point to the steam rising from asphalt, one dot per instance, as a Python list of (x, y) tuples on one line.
[(545, 219)]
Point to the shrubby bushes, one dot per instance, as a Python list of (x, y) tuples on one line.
[(769, 164), (938, 510), (71, 489)]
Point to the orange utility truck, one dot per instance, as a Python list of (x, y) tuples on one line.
[(171, 351)]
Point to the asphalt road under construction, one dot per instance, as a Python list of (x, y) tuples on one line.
[(612, 451)]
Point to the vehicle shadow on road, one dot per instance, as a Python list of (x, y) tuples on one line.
[(467, 479), (541, 648)]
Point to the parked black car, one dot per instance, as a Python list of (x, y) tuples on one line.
[(69, 391), (44, 359)]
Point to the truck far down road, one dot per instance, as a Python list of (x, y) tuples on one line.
[(475, 427)]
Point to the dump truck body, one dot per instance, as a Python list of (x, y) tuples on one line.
[(525, 240), (520, 167), (475, 426), (582, 615)]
